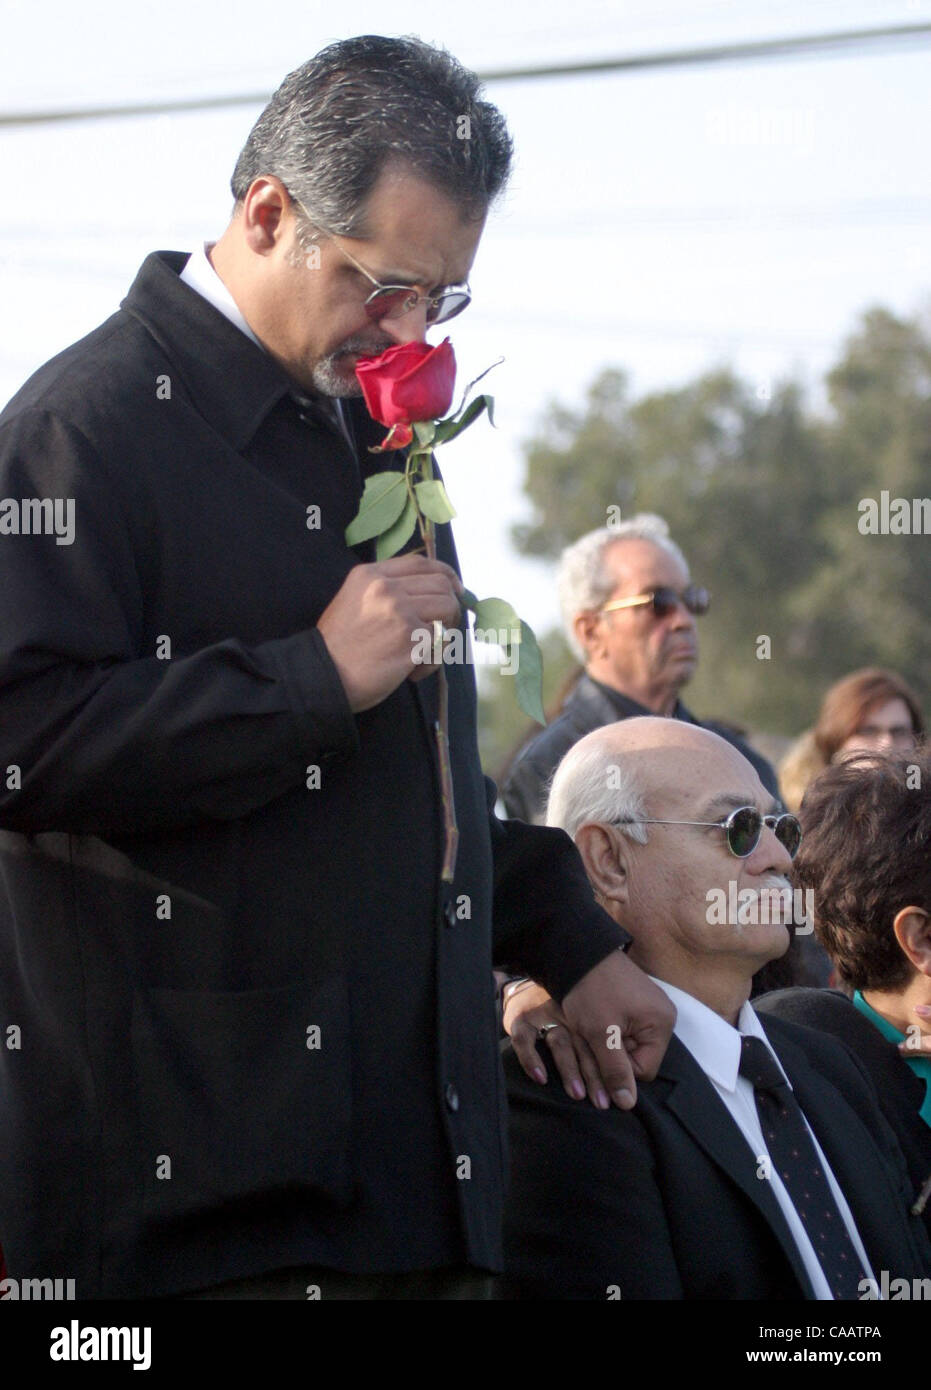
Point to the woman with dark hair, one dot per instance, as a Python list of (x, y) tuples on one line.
[(869, 709), (866, 858)]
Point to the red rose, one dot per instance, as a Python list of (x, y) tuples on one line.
[(408, 383)]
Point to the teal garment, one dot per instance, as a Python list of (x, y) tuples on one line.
[(921, 1066)]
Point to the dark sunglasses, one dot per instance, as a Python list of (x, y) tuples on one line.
[(665, 600), (743, 829)]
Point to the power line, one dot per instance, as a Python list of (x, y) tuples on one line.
[(828, 44), (835, 44)]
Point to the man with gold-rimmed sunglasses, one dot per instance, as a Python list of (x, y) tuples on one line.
[(629, 613), (664, 601)]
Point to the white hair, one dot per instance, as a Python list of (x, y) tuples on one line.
[(583, 582), (593, 784)]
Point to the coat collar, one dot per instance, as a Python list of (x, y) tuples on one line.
[(230, 380), (596, 704), (688, 1094)]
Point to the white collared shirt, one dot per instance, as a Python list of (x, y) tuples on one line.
[(201, 276), (715, 1045)]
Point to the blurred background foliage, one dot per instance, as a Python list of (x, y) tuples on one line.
[(761, 490)]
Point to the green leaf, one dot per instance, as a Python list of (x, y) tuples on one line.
[(528, 677), (397, 536), (424, 430), (498, 614), (448, 429), (382, 503), (496, 619), (434, 503)]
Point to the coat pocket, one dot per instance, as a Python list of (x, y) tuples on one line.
[(241, 1097)]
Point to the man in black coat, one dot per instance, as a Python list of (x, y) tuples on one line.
[(629, 611), (247, 1030), (696, 1193)]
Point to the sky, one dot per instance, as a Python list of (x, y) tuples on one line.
[(664, 222)]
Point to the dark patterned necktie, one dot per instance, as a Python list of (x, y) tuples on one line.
[(796, 1160)]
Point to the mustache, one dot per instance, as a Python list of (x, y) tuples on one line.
[(362, 346)]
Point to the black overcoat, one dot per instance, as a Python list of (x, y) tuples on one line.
[(242, 1027)]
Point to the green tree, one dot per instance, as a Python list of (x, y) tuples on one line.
[(868, 605), (763, 496)]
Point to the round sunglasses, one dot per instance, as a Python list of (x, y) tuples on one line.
[(665, 600), (743, 829)]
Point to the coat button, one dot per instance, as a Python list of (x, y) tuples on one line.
[(452, 1097), (449, 913)]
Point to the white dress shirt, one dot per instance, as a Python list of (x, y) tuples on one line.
[(715, 1045), (201, 276)]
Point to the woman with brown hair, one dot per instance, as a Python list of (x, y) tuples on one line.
[(871, 709)]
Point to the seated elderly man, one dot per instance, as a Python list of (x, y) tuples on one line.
[(867, 862), (758, 1164)]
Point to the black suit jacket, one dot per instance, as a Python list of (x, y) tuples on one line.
[(900, 1091), (664, 1202), (255, 1031), (591, 705)]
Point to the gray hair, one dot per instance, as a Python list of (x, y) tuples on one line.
[(591, 784), (583, 581), (336, 121)]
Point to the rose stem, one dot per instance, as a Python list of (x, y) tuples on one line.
[(441, 727)]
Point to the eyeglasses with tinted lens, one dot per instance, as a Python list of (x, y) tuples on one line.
[(664, 600), (394, 301), (870, 736), (743, 829)]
